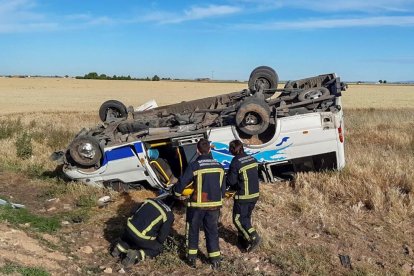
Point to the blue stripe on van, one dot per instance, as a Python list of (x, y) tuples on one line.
[(138, 147), (116, 154)]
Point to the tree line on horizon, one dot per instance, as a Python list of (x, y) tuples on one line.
[(96, 76)]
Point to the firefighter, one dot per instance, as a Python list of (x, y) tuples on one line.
[(206, 176), (146, 232), (243, 177)]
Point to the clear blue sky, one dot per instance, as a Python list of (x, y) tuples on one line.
[(359, 40)]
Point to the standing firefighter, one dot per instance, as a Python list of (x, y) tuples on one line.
[(206, 176), (243, 177), (146, 231)]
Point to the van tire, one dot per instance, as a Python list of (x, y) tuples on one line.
[(117, 107), (313, 93), (265, 75), (253, 116), (75, 151)]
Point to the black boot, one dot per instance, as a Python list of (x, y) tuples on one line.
[(242, 243), (130, 259), (215, 264), (192, 262), (115, 252), (254, 242)]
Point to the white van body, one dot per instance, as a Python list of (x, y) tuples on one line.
[(303, 130), (311, 141)]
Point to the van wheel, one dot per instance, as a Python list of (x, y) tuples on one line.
[(85, 151), (112, 109), (253, 116), (313, 94), (263, 76)]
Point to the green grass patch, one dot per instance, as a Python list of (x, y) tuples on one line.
[(11, 268), (23, 216)]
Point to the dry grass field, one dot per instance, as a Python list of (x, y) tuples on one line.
[(365, 211)]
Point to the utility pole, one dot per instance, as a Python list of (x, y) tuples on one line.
[(212, 74)]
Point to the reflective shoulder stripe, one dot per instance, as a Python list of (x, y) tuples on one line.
[(210, 170), (247, 196), (149, 227), (247, 167), (136, 232), (155, 204)]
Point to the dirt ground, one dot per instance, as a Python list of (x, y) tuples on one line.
[(309, 247)]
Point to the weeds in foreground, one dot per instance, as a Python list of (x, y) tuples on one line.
[(10, 268), (24, 148), (23, 216), (307, 260), (8, 128)]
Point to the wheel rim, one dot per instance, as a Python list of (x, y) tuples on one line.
[(86, 151), (262, 81), (252, 119)]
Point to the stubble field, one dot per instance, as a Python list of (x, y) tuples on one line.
[(365, 211)]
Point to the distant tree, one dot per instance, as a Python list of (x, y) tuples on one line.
[(380, 81), (102, 76), (66, 76), (147, 78), (91, 75), (114, 77), (384, 81), (155, 78)]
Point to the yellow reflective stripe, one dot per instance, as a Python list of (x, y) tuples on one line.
[(192, 251), (121, 248), (211, 170), (142, 254), (162, 171), (199, 187), (246, 183), (155, 221), (164, 216), (247, 167), (181, 161), (251, 230), (240, 227), (247, 196), (243, 170), (199, 174), (136, 232), (214, 254), (205, 204)]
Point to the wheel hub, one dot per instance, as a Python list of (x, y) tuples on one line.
[(86, 150), (251, 119)]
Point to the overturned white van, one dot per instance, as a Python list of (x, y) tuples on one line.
[(297, 128)]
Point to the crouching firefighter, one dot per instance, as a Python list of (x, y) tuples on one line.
[(244, 179), (206, 176), (145, 233)]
